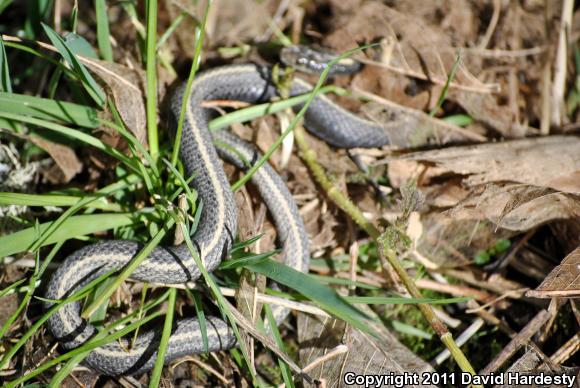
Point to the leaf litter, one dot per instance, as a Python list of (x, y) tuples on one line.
[(481, 183)]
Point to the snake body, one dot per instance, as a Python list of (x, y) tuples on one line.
[(217, 227)]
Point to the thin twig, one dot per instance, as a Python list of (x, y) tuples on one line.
[(267, 341), (262, 298), (462, 339), (492, 24), (484, 88), (387, 253), (521, 339), (204, 366), (498, 53), (558, 88)]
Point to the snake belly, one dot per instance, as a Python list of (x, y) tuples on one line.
[(214, 236)]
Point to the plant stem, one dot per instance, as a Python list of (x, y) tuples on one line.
[(387, 251), (309, 156), (152, 78), (199, 38), (158, 368)]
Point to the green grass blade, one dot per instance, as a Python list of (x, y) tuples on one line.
[(129, 269), (7, 199), (87, 80), (131, 139), (150, 175), (74, 17), (461, 120), (311, 96), (53, 83), (90, 345), (58, 378), (80, 294), (284, 368), (5, 83), (174, 24), (240, 246), (73, 227), (191, 195), (255, 111), (48, 109), (220, 300), (151, 70), (11, 289), (279, 34), (167, 326), (103, 33), (200, 317), (199, 38), (75, 134), (36, 12), (31, 287), (110, 189), (402, 327), (122, 184), (40, 54), (140, 312), (343, 282), (247, 260), (4, 4), (323, 295), (101, 313), (130, 8), (445, 89), (79, 45)]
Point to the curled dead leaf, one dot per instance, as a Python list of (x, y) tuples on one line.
[(64, 157), (563, 281), (126, 86), (518, 207), (364, 354), (550, 162), (412, 128)]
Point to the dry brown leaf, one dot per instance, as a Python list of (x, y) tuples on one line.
[(486, 110), (8, 305), (445, 195), (544, 162), (126, 87), (569, 183), (366, 355), (64, 157), (517, 185), (250, 225), (517, 207), (125, 84), (530, 363), (412, 128), (563, 281)]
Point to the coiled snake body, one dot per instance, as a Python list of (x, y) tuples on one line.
[(218, 223)]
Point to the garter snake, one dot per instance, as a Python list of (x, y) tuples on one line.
[(218, 223)]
